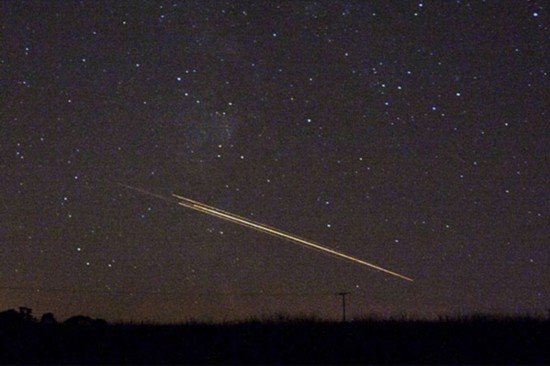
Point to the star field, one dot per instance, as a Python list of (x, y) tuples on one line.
[(411, 134)]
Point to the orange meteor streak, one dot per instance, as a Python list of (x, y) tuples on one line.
[(213, 211)]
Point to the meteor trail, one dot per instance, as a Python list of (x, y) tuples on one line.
[(231, 217), (201, 207), (140, 190)]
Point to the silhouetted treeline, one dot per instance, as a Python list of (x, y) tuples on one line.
[(468, 339)]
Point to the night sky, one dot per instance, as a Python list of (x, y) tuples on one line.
[(411, 134)]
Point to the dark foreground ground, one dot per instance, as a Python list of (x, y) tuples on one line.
[(459, 340)]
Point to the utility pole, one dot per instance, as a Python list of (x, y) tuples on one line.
[(343, 294)]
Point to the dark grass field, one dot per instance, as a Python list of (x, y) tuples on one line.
[(463, 340)]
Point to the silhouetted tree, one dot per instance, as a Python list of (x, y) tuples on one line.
[(13, 318), (10, 318), (79, 320), (86, 321), (48, 318), (26, 313)]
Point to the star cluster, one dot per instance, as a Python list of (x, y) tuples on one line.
[(412, 134)]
